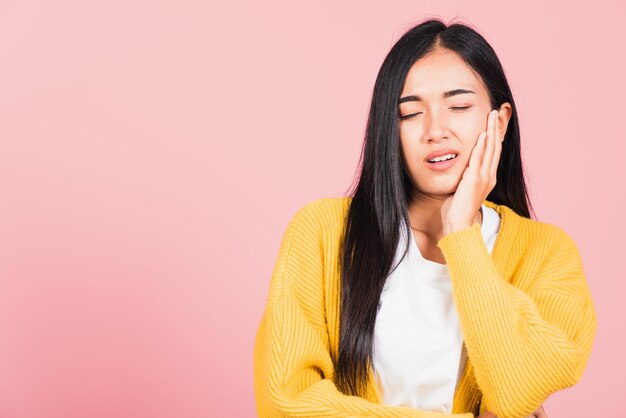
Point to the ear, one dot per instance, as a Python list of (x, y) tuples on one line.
[(504, 115)]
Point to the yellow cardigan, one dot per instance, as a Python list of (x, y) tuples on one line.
[(525, 311)]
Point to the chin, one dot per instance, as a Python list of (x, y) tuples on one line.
[(440, 185), (439, 190), (444, 187)]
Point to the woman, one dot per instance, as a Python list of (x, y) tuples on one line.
[(480, 310)]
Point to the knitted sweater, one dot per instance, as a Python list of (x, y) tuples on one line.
[(525, 310)]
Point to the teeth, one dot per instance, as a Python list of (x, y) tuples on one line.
[(443, 158)]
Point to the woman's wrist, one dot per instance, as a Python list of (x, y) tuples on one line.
[(451, 227)]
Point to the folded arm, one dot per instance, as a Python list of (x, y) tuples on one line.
[(293, 372), (524, 346), (293, 368)]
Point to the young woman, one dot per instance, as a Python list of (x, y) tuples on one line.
[(429, 290)]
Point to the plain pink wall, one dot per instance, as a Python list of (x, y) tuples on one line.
[(152, 154)]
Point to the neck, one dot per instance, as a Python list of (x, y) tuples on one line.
[(425, 214)]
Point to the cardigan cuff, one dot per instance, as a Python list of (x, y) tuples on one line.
[(465, 251)]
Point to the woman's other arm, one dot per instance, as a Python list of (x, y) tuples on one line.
[(293, 368), (524, 345)]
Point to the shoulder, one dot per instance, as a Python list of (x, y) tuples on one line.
[(309, 249), (315, 230), (544, 256), (559, 263), (322, 214), (536, 239), (555, 237), (532, 231), (325, 206)]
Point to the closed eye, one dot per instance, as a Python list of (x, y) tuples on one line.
[(455, 108), (410, 116)]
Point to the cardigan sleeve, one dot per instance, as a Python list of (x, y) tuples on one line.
[(524, 345), (293, 368), (293, 371)]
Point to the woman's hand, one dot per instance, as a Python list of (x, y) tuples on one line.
[(460, 210), (539, 413)]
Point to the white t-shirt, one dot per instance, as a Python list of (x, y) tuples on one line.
[(419, 353)]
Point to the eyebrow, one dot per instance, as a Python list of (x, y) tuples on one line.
[(445, 95)]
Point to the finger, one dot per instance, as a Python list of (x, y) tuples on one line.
[(497, 152), (541, 413), (485, 167), (477, 152)]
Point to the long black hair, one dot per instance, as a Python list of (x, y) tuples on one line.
[(379, 204)]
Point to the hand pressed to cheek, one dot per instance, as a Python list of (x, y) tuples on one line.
[(486, 155), (498, 148), (479, 178), (485, 166)]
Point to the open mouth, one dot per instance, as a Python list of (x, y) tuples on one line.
[(442, 163), (443, 158)]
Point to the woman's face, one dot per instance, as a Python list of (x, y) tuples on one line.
[(443, 106)]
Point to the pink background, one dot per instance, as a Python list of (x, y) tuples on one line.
[(152, 154)]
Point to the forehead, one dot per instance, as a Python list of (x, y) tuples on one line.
[(440, 71)]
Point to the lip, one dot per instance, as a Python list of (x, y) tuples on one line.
[(443, 165), (440, 153)]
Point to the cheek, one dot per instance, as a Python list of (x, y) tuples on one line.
[(469, 133), (410, 150), (410, 132), (471, 139), (410, 140)]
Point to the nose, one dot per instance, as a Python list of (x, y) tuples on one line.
[(436, 128)]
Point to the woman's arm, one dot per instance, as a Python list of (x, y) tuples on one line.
[(539, 413), (293, 368), (524, 346), (293, 372)]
